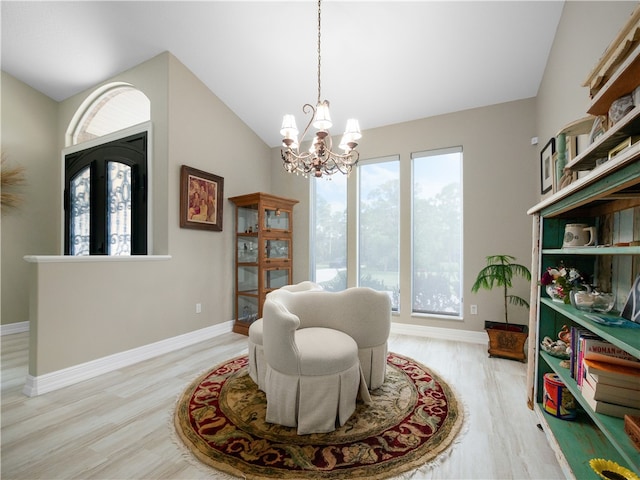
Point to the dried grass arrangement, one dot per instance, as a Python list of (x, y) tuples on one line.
[(11, 176)]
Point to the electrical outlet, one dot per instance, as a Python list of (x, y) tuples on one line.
[(198, 307), (474, 309)]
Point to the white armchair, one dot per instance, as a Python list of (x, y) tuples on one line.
[(257, 364), (321, 349), (312, 376), (362, 313)]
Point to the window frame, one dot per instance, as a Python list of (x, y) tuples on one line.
[(373, 161), (313, 257), (92, 105), (145, 127), (430, 153)]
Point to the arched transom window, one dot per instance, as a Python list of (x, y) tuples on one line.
[(118, 107)]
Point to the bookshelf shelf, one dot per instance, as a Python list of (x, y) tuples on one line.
[(593, 251), (580, 441), (611, 427), (626, 339)]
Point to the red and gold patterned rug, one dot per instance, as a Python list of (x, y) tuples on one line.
[(413, 418)]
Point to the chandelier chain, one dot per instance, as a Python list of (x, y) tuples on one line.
[(319, 29)]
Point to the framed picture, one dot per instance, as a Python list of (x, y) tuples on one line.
[(598, 128), (572, 147), (201, 195), (547, 166)]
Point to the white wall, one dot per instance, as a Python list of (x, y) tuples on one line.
[(584, 32), (85, 310), (28, 139), (499, 185)]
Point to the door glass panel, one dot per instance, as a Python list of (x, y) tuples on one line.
[(276, 219), (247, 249), (247, 309), (80, 213), (277, 248), (276, 278), (119, 210), (248, 279), (247, 220)]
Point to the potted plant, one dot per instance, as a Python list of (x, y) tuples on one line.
[(505, 339)]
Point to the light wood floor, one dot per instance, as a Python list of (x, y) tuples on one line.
[(118, 426)]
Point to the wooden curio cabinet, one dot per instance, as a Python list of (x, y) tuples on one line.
[(264, 252)]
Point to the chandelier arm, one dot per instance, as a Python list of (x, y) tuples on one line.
[(306, 109)]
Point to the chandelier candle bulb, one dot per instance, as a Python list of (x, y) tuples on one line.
[(289, 128), (353, 129), (323, 116)]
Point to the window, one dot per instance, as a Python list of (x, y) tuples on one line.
[(106, 198), (329, 231), (115, 107), (379, 226), (421, 252), (106, 194), (437, 232)]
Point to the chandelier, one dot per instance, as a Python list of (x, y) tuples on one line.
[(320, 158)]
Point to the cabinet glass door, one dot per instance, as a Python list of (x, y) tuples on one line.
[(248, 220), (276, 278), (247, 309), (276, 249), (247, 249), (248, 279), (276, 219)]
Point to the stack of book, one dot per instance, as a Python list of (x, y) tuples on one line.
[(608, 377)]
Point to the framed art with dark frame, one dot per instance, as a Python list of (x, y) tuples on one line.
[(547, 166), (201, 195)]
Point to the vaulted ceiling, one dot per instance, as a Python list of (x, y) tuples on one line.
[(383, 62)]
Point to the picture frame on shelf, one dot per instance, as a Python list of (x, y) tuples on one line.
[(571, 147), (547, 166), (201, 199), (598, 128)]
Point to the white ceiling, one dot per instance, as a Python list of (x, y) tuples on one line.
[(383, 62)]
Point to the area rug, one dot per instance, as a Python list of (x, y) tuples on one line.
[(413, 418)]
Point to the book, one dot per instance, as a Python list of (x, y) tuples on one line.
[(628, 397), (575, 365), (612, 374), (604, 351), (606, 408)]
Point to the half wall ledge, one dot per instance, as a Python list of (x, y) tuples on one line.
[(94, 258)]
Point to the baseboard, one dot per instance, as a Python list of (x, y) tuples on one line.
[(11, 328), (442, 333), (69, 376)]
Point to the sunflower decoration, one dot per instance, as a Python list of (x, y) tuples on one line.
[(610, 470)]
